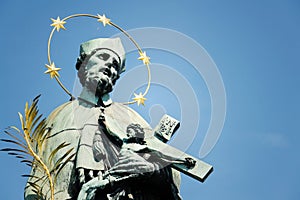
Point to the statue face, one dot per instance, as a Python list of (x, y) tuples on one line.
[(135, 131), (131, 133), (101, 72)]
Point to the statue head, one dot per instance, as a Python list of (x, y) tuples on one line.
[(100, 64), (135, 131)]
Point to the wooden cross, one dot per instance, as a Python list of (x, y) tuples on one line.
[(163, 133), (155, 139)]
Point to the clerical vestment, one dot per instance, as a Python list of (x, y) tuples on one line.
[(76, 123)]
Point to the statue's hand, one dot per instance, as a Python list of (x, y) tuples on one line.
[(81, 176), (90, 173), (131, 163), (190, 162), (88, 190)]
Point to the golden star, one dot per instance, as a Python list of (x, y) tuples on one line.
[(58, 24), (103, 19), (144, 58), (52, 70), (139, 98)]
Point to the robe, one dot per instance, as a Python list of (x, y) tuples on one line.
[(76, 124)]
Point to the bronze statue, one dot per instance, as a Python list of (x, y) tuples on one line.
[(92, 148), (79, 123)]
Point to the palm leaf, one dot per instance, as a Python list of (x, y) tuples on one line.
[(26, 161), (29, 176), (29, 144), (37, 184), (35, 121), (39, 132), (54, 152), (60, 160), (37, 179), (41, 142), (31, 112), (37, 97), (12, 154), (63, 165), (14, 150), (21, 120), (26, 109), (34, 185), (14, 142), (20, 157), (31, 115), (38, 166), (12, 135), (45, 135), (15, 128)]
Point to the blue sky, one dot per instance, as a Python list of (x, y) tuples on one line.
[(255, 45)]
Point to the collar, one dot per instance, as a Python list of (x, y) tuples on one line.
[(89, 99), (106, 100)]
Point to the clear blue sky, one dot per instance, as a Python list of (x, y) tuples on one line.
[(255, 44)]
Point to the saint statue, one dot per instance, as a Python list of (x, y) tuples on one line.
[(106, 166)]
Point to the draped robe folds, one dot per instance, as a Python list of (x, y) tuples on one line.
[(76, 123)]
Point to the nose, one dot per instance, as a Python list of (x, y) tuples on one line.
[(96, 69), (107, 72)]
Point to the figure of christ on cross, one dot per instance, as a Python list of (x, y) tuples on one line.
[(133, 164)]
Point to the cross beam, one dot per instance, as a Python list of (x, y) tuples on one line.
[(155, 140), (200, 171), (163, 132)]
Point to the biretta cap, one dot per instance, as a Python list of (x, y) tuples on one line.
[(113, 44)]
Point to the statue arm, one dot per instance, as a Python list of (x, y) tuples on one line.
[(170, 159)]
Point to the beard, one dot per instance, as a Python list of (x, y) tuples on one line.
[(99, 85)]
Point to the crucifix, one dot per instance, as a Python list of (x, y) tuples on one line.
[(156, 141), (198, 169), (139, 143)]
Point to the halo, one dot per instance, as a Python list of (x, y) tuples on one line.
[(52, 70)]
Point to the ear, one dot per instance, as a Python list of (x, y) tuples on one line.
[(81, 76)]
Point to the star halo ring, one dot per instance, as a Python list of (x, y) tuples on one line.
[(52, 70)]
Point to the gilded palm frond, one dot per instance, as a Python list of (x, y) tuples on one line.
[(28, 145)]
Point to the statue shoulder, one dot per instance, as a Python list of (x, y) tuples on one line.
[(60, 110)]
